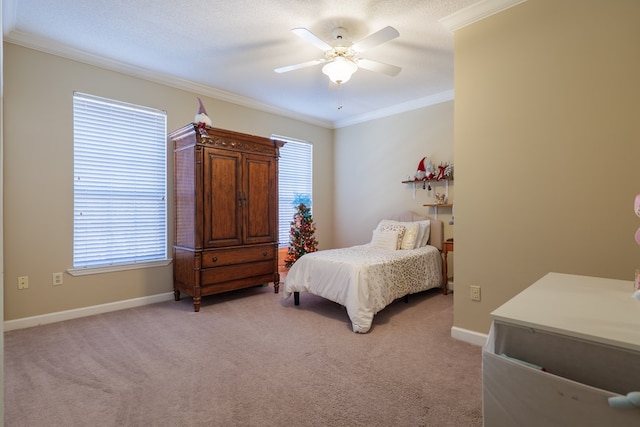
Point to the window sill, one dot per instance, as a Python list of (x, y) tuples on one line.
[(111, 268)]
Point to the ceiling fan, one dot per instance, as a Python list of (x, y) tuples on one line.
[(342, 59)]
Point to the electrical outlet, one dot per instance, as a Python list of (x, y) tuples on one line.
[(57, 279), (475, 293), (23, 282)]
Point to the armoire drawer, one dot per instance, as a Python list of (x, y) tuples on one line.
[(241, 255), (211, 276)]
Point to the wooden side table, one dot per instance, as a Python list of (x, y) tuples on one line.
[(447, 246)]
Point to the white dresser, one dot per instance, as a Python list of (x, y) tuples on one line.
[(585, 333)]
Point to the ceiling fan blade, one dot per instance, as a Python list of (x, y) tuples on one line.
[(372, 40), (379, 67), (310, 37), (298, 66)]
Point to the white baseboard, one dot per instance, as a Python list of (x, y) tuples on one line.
[(43, 319), (471, 337)]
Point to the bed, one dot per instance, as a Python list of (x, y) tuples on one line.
[(402, 258)]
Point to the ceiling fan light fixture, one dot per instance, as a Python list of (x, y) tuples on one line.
[(340, 70)]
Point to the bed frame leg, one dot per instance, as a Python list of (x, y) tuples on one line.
[(296, 298)]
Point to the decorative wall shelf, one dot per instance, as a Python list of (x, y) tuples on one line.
[(425, 181), (428, 182), (435, 206)]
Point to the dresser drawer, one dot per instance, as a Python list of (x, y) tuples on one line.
[(243, 255), (518, 395), (212, 276)]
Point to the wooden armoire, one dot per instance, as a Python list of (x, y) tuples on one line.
[(226, 211)]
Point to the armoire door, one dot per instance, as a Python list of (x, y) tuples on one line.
[(223, 198), (260, 208)]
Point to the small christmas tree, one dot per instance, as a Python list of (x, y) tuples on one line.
[(301, 235)]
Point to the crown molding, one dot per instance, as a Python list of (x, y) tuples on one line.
[(476, 12), (11, 35), (47, 46), (397, 109), (58, 49)]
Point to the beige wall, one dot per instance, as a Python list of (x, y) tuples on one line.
[(370, 161), (38, 175), (547, 142), (547, 148), (373, 158)]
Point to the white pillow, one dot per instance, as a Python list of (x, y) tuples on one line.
[(385, 240), (421, 230), (425, 227), (410, 235), (411, 230), (389, 225)]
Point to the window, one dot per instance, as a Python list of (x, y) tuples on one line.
[(295, 169), (120, 185)]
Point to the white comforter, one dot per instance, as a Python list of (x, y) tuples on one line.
[(363, 279)]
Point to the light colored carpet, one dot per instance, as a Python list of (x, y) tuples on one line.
[(248, 358)]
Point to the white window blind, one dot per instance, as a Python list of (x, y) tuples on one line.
[(295, 171), (120, 183)]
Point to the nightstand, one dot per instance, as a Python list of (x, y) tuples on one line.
[(447, 246)]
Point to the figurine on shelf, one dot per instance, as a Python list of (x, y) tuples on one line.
[(445, 171), (429, 172), (202, 119), (421, 172), (425, 173), (448, 171), (441, 198)]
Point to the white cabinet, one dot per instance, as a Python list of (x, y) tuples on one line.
[(585, 333)]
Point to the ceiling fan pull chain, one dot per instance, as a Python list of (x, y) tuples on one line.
[(339, 96)]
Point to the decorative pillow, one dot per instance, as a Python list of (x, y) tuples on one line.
[(410, 238), (385, 240), (410, 235), (422, 228), (425, 229), (389, 225)]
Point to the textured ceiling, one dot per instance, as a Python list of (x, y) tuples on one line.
[(231, 48)]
